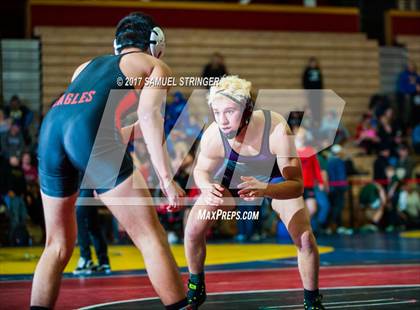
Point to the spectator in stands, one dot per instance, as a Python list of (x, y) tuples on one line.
[(182, 163), (11, 143), (34, 207), (393, 190), (415, 138), (338, 187), (4, 168), (366, 136), (20, 115), (404, 162), (380, 164), (388, 132), (312, 79), (377, 104), (310, 168), (30, 171), (372, 201), (319, 221), (312, 75), (216, 67), (88, 225), (5, 123), (406, 90), (194, 130), (415, 114), (409, 206), (16, 188), (15, 178), (18, 233), (174, 109), (329, 130)]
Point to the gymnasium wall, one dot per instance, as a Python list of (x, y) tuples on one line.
[(195, 15)]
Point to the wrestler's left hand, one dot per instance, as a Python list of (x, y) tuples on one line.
[(251, 188)]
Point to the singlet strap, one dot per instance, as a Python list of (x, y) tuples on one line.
[(265, 146)]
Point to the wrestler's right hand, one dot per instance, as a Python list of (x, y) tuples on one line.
[(212, 194), (173, 192)]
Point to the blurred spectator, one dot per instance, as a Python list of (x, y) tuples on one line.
[(377, 104), (319, 221), (4, 167), (405, 163), (34, 208), (216, 67), (415, 114), (16, 188), (18, 233), (415, 138), (11, 143), (312, 79), (88, 225), (30, 171), (366, 136), (15, 178), (247, 227), (175, 109), (406, 90), (312, 76), (194, 130), (388, 133), (310, 168), (19, 115), (372, 201), (182, 165), (338, 186), (329, 130), (380, 164), (409, 206), (4, 123), (393, 190)]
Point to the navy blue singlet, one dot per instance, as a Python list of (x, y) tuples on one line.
[(69, 132), (262, 166)]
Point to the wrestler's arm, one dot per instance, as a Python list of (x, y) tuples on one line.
[(208, 159), (287, 161), (151, 122), (127, 131)]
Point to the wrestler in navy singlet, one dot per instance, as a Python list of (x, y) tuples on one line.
[(237, 165), (69, 131)]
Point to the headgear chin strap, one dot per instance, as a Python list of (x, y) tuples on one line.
[(156, 43)]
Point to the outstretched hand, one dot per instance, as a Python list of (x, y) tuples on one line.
[(251, 188)]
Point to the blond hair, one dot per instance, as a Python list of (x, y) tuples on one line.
[(233, 87)]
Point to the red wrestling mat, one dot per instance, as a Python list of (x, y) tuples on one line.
[(89, 291)]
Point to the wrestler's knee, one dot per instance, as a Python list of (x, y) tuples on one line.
[(194, 231), (61, 251), (306, 242)]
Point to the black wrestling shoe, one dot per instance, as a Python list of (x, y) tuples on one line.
[(196, 294), (315, 305)]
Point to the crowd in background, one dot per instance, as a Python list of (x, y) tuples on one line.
[(389, 131)]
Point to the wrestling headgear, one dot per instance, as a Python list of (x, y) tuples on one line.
[(139, 30)]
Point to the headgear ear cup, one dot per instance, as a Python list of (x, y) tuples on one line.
[(116, 47), (157, 42)]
